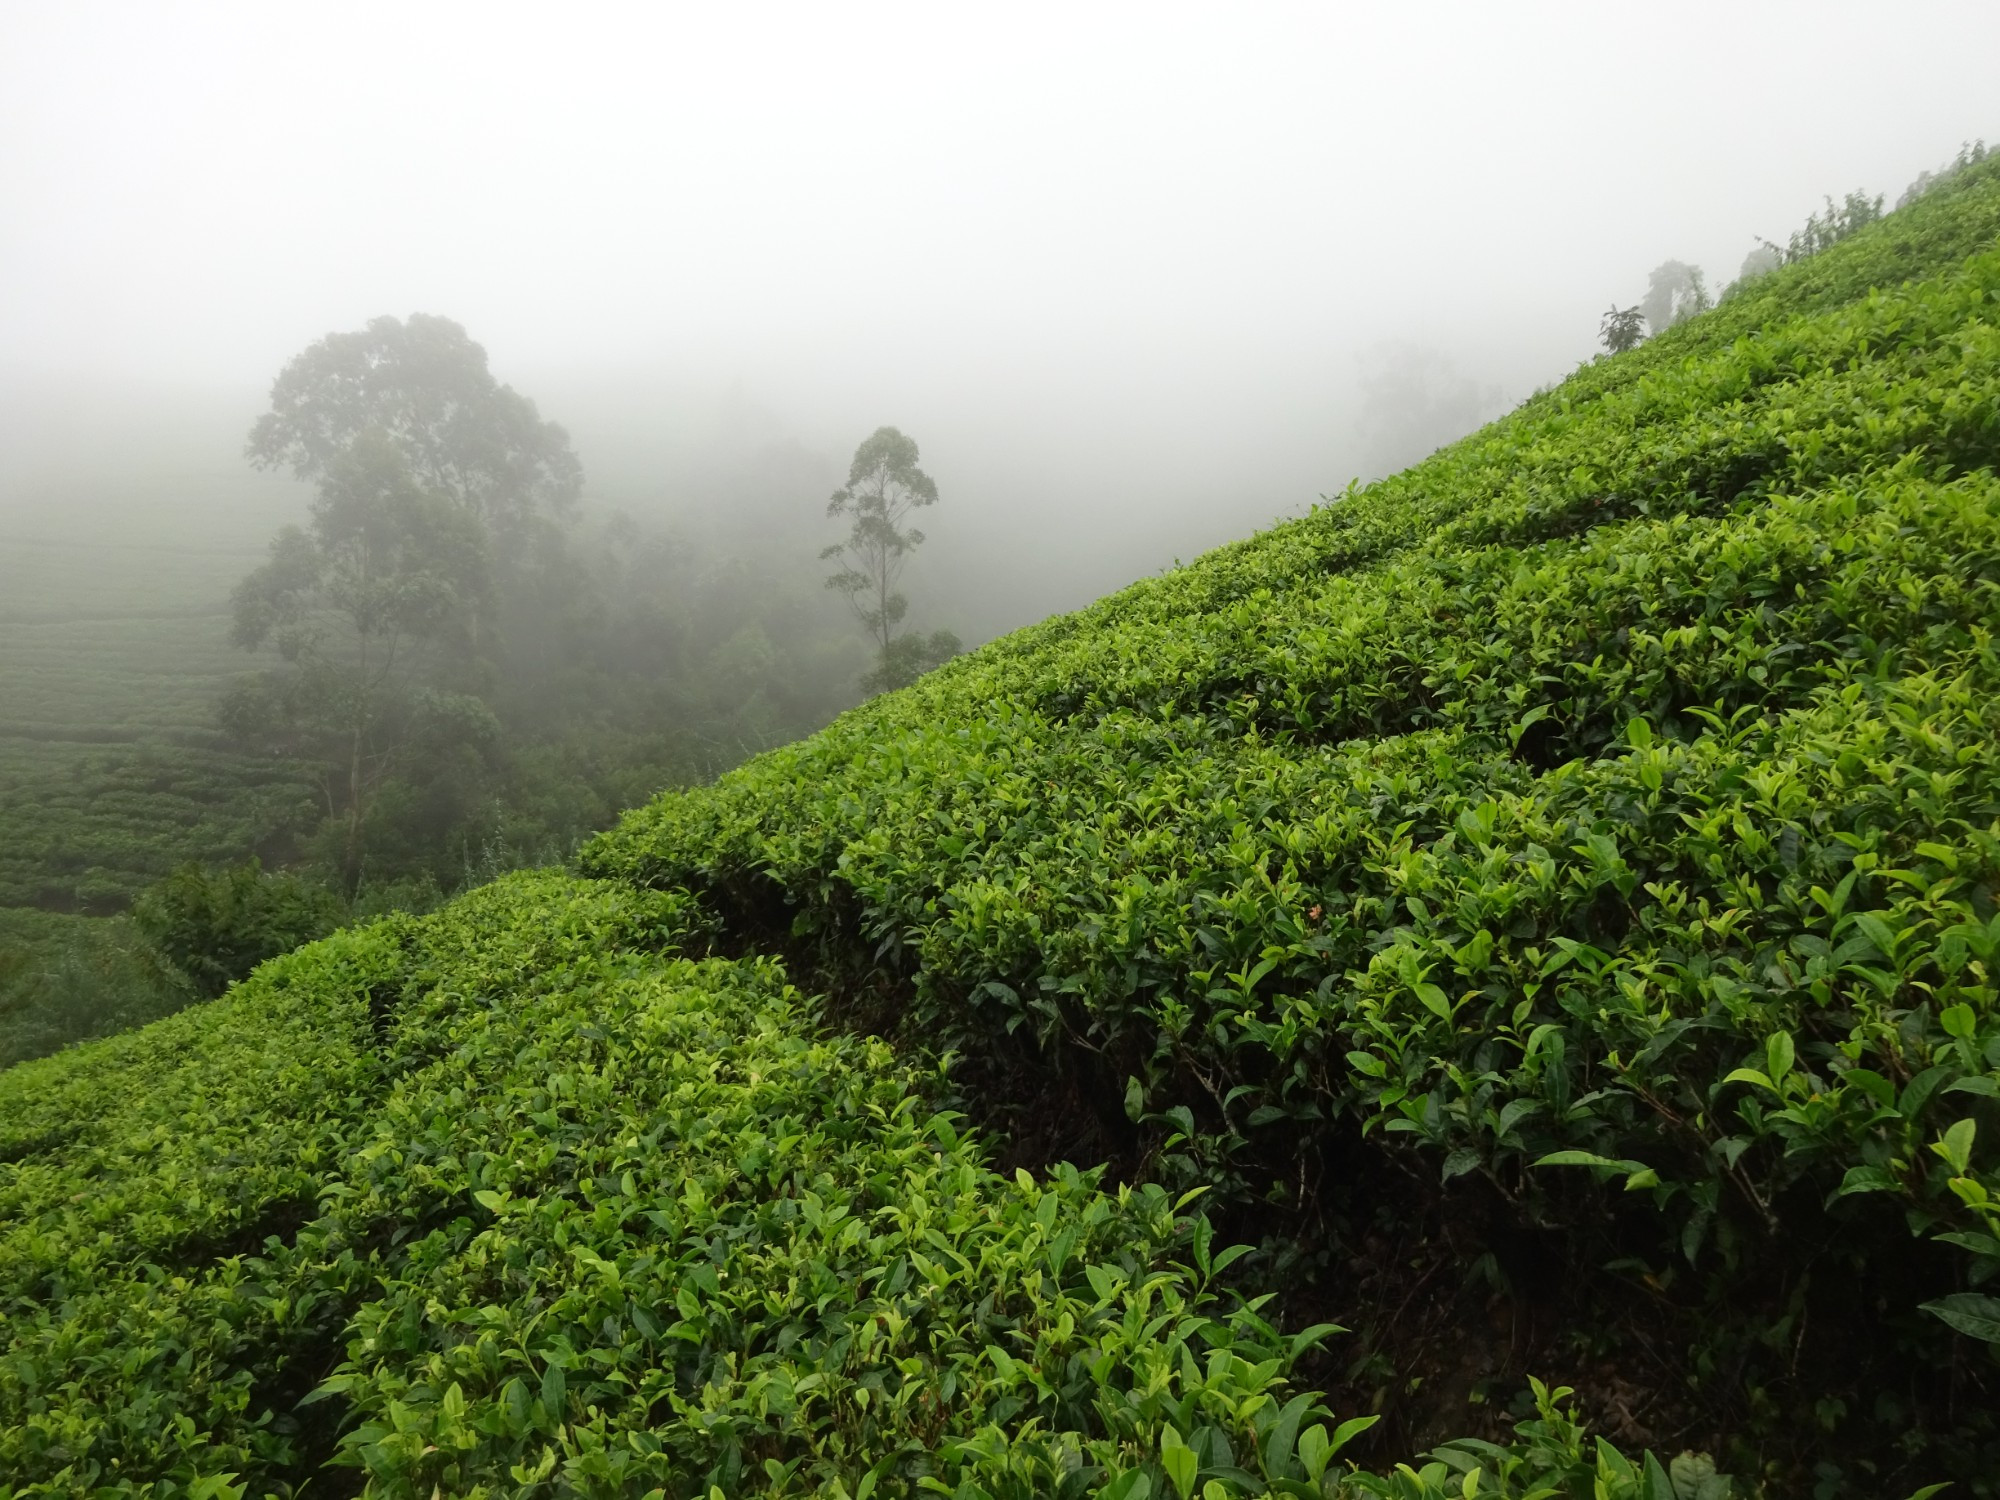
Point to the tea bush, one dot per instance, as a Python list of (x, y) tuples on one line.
[(512, 1200)]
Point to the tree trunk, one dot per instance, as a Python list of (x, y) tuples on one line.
[(350, 861)]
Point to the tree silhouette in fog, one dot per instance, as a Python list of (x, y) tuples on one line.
[(884, 486)]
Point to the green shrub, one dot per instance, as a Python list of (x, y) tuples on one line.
[(215, 925)]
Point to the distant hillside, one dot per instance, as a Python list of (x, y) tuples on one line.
[(114, 647), (1547, 902)]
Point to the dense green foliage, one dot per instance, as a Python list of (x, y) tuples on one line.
[(510, 1199), (214, 926), (64, 978), (1612, 796)]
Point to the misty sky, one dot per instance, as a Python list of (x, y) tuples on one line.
[(1105, 262)]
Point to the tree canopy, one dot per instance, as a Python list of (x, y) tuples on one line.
[(369, 611), (424, 386)]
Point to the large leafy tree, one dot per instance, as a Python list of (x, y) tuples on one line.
[(422, 386), (884, 486), (436, 574), (368, 609)]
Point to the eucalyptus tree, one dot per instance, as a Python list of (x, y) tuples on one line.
[(1762, 260), (884, 487)]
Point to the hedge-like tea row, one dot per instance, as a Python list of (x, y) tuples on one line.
[(1617, 790), (507, 1201), (146, 1331)]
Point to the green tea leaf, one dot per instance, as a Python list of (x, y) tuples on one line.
[(1179, 1462), (1955, 1146), (1969, 1313)]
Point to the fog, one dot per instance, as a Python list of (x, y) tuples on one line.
[(1138, 279)]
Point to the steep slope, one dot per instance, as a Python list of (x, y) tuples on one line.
[(580, 1214), (515, 1200), (1578, 850), (1546, 900)]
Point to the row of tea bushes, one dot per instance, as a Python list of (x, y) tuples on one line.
[(143, 1178), (511, 1200), (1611, 797)]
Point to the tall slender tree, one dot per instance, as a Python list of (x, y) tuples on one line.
[(884, 485)]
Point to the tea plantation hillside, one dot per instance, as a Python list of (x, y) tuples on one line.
[(1544, 902), (114, 646)]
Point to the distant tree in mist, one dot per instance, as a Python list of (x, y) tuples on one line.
[(1675, 292), (1622, 328), (1761, 261), (433, 590), (1414, 400), (884, 486), (368, 609), (422, 387)]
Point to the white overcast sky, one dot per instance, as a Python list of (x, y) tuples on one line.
[(1160, 228)]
